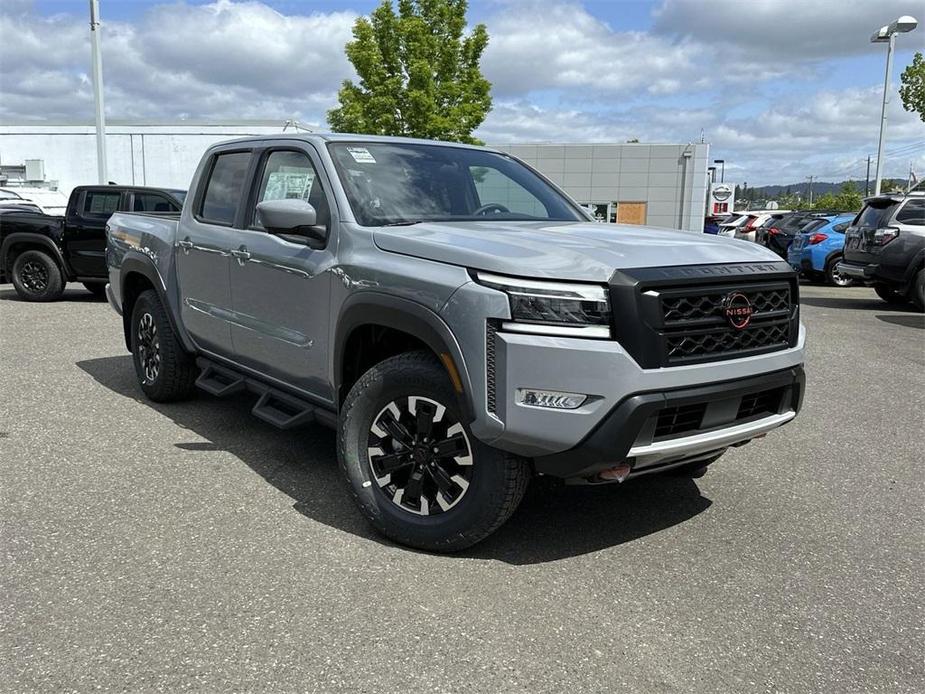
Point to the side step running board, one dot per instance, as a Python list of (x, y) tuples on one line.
[(275, 407), (219, 381)]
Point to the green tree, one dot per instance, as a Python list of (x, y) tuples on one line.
[(849, 198), (912, 90), (419, 75)]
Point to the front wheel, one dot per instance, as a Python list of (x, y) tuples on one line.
[(37, 277), (836, 278), (890, 295), (165, 371), (415, 470)]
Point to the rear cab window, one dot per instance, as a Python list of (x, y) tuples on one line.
[(101, 203), (224, 188), (153, 202)]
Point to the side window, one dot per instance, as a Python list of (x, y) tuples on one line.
[(153, 202), (841, 227), (101, 203), (913, 212), (291, 176), (494, 187), (225, 187)]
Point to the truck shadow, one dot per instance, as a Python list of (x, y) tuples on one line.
[(553, 522), (852, 301), (73, 292)]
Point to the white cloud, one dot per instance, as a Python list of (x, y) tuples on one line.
[(536, 46), (782, 31)]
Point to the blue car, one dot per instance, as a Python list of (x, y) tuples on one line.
[(818, 247)]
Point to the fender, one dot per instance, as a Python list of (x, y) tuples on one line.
[(37, 239), (373, 308), (136, 262), (915, 264)]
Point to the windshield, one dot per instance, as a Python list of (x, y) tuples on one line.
[(404, 183)]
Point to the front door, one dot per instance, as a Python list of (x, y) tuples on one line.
[(205, 239), (85, 231), (280, 288)]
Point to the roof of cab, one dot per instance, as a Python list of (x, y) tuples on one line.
[(349, 137)]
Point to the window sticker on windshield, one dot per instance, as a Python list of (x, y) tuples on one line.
[(361, 155)]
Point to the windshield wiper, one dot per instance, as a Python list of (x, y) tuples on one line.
[(404, 223)]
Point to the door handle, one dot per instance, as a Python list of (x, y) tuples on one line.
[(241, 254), (185, 244)]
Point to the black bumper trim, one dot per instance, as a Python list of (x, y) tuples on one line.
[(610, 441)]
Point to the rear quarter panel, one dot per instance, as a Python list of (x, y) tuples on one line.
[(152, 236)]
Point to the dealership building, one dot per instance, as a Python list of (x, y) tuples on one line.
[(664, 185)]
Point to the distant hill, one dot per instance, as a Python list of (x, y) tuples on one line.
[(801, 188)]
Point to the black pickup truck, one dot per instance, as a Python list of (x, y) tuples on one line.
[(40, 253)]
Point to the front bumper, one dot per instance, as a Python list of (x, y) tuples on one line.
[(630, 433)]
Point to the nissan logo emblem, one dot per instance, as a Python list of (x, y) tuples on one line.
[(738, 310)]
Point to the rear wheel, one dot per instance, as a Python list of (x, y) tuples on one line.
[(37, 277), (890, 295), (416, 471), (834, 277), (165, 371)]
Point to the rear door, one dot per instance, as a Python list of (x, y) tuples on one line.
[(84, 236), (280, 287), (862, 242), (205, 238)]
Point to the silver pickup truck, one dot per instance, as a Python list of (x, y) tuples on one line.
[(458, 319)]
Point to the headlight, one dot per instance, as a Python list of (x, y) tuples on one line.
[(553, 308)]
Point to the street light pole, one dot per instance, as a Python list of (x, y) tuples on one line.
[(887, 34), (97, 58), (886, 100)]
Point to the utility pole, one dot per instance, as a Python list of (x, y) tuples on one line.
[(97, 58), (867, 180), (810, 190)]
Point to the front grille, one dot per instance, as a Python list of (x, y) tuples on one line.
[(679, 310), (671, 316), (727, 342), (677, 420), (709, 414), (766, 402), (490, 375)]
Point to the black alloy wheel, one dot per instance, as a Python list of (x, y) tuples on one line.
[(149, 348), (420, 456), (34, 276)]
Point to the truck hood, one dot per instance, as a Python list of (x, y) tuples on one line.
[(563, 250)]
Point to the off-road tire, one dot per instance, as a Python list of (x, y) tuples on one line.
[(97, 289), (37, 277), (890, 295), (496, 486), (917, 293), (176, 371)]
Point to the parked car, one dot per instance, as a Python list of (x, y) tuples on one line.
[(779, 235), (51, 202), (728, 227), (817, 249), (459, 320), (40, 253), (885, 247), (756, 219)]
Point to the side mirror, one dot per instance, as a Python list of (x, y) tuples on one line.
[(290, 218)]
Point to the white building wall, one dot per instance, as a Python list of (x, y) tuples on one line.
[(670, 179), (154, 155)]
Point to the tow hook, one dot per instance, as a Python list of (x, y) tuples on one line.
[(618, 473)]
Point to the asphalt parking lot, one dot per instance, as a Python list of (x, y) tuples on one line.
[(192, 547)]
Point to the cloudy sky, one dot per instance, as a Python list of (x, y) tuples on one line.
[(782, 89)]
